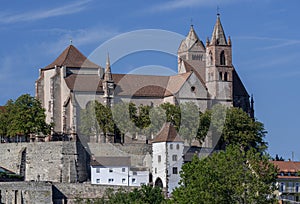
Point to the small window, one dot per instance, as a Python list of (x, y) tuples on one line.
[(134, 173), (193, 89), (177, 146), (97, 170), (174, 157), (123, 180), (220, 76), (133, 180), (155, 170), (97, 180), (123, 169), (175, 170), (111, 170), (225, 76), (111, 180), (171, 146), (159, 158)]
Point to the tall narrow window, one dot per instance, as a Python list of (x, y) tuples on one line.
[(225, 76), (220, 76), (210, 58), (222, 58)]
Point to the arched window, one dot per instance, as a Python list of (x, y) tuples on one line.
[(222, 58), (210, 58), (225, 76)]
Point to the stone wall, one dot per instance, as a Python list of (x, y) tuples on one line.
[(25, 192), (46, 193), (45, 161)]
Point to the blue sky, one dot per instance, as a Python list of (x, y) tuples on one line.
[(264, 33)]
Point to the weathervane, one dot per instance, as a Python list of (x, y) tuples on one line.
[(192, 22), (218, 11)]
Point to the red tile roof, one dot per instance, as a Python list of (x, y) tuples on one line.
[(287, 166), (167, 133), (71, 57)]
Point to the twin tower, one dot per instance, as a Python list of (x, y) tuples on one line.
[(212, 63)]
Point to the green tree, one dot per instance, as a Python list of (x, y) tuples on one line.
[(104, 118), (189, 124), (235, 127), (173, 114), (124, 116), (25, 116), (88, 122), (231, 176)]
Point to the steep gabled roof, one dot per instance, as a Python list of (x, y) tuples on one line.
[(190, 41), (190, 68), (218, 35), (72, 57), (167, 133)]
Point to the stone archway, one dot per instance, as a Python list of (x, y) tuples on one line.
[(158, 183)]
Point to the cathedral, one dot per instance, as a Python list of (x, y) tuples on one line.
[(205, 75)]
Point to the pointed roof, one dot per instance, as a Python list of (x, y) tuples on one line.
[(107, 74), (218, 35), (167, 133), (192, 34), (72, 57), (190, 40)]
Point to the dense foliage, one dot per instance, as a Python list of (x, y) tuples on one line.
[(231, 176), (23, 116), (233, 126)]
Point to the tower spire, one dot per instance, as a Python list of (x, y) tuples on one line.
[(107, 74), (218, 35)]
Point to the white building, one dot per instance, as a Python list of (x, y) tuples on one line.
[(110, 171), (138, 176), (167, 150), (117, 171)]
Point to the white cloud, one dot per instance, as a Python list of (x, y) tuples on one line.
[(179, 4), (74, 7)]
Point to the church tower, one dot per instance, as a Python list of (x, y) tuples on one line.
[(192, 50), (219, 68), (108, 84)]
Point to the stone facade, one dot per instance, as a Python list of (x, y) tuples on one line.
[(206, 76)]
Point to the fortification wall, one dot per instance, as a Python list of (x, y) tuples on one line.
[(44, 161), (25, 192), (57, 193)]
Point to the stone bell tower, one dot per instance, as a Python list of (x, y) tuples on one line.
[(192, 50), (108, 84), (219, 66)]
